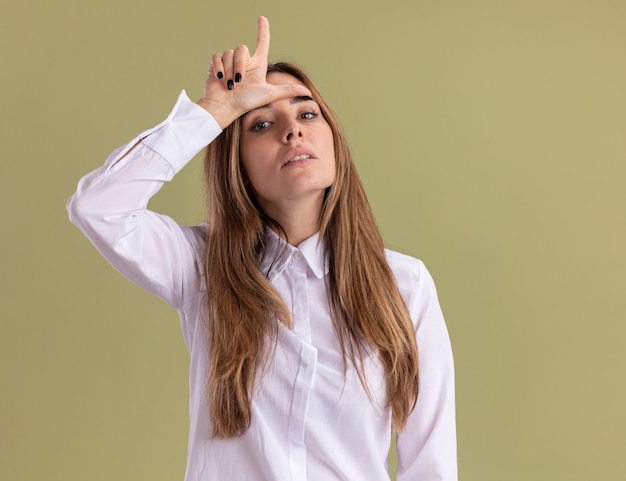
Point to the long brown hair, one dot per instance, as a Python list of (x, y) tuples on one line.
[(243, 308)]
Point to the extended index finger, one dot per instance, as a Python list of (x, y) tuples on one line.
[(263, 38)]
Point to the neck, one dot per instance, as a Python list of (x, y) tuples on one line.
[(299, 220)]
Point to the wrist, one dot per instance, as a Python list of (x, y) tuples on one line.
[(222, 114)]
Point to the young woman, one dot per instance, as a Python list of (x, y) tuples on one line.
[(310, 344)]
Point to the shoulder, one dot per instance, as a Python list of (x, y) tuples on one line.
[(406, 269), (196, 239), (414, 282), (196, 236)]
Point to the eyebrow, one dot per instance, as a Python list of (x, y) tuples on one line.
[(292, 100)]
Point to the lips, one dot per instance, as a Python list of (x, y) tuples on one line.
[(297, 155)]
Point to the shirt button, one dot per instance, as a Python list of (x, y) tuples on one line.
[(298, 256)]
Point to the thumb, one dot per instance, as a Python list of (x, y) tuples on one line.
[(287, 91)]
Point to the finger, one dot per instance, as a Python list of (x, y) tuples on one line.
[(217, 65), (240, 61), (263, 38), (227, 59)]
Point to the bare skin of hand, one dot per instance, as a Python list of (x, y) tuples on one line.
[(236, 82)]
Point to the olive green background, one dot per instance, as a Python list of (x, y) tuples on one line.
[(491, 139)]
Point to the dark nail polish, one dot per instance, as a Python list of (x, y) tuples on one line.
[(230, 84), (220, 75), (237, 77)]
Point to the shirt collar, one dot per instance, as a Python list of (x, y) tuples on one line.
[(279, 253), (314, 251)]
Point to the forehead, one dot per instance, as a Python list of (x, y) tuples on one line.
[(281, 78)]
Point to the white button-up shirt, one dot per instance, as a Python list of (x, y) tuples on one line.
[(309, 421)]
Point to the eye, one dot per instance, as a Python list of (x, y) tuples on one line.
[(259, 126), (309, 115)]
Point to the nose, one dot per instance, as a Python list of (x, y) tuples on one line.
[(292, 132)]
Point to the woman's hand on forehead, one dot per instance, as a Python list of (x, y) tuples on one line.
[(236, 82)]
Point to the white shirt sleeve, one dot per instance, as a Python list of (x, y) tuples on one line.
[(110, 204), (427, 447)]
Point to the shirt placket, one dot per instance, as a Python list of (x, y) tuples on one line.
[(306, 368)]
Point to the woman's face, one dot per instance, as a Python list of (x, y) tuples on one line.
[(287, 151)]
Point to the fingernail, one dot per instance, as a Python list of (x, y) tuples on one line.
[(230, 84), (220, 75), (237, 77)]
